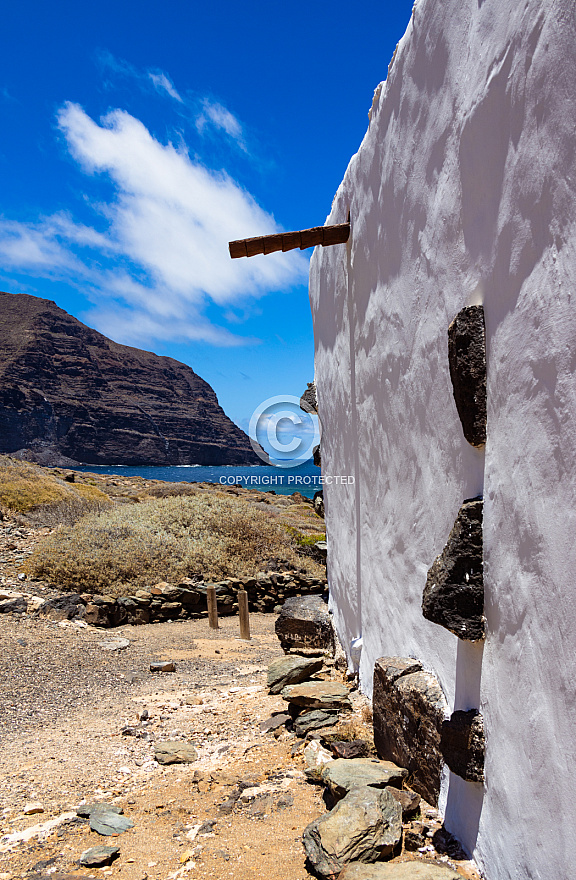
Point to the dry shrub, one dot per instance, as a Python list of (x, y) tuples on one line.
[(350, 731), (24, 486), (169, 490), (69, 510), (127, 548), (45, 499), (366, 714)]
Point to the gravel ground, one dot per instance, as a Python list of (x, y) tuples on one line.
[(66, 700), (48, 670)]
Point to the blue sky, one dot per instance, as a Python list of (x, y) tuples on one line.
[(139, 137)]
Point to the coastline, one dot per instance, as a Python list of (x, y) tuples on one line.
[(304, 478)]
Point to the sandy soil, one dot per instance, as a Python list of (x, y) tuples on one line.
[(67, 746), (66, 701)]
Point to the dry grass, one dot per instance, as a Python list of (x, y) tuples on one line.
[(24, 486), (211, 535), (171, 490), (45, 499), (366, 714)]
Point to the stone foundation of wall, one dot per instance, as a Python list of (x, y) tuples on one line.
[(409, 709)]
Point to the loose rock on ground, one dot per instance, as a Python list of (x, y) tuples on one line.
[(364, 826)]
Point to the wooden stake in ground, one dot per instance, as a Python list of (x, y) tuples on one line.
[(212, 607), (243, 614)]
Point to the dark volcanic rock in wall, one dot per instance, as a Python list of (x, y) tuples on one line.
[(69, 394), (319, 502), (409, 708), (454, 592), (462, 745), (317, 456), (308, 401), (467, 360)]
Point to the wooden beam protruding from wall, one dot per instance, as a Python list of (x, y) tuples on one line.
[(287, 241)]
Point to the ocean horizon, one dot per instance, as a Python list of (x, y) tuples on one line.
[(303, 477)]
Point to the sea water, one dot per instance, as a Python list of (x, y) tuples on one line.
[(303, 478)]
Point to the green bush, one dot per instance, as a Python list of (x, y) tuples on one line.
[(308, 540), (131, 547)]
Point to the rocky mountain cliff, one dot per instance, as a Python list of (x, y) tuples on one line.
[(68, 394)]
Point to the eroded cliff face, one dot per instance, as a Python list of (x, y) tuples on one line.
[(67, 393)]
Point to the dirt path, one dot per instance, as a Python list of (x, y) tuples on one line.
[(67, 703), (66, 700)]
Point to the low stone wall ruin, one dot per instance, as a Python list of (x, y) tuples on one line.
[(162, 602)]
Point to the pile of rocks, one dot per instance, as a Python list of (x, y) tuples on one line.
[(372, 816), (165, 601)]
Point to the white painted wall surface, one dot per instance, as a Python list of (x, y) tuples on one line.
[(463, 191)]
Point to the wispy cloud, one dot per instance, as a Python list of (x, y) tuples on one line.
[(215, 114), (207, 114), (147, 78), (162, 83), (107, 62), (33, 246), (159, 256), (5, 94)]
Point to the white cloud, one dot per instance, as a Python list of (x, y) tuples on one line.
[(120, 67), (206, 113), (163, 256), (32, 247), (162, 83), (221, 118)]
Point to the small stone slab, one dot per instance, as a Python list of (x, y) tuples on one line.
[(99, 856), (162, 666), (114, 644), (317, 695), (66, 607), (395, 667), (86, 810), (13, 606), (32, 808), (415, 836), (356, 748), (274, 722), (364, 826), (316, 757), (291, 670), (109, 823), (316, 719), (97, 614), (175, 753), (342, 775), (399, 871)]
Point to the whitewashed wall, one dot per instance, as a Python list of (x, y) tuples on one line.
[(463, 191)]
